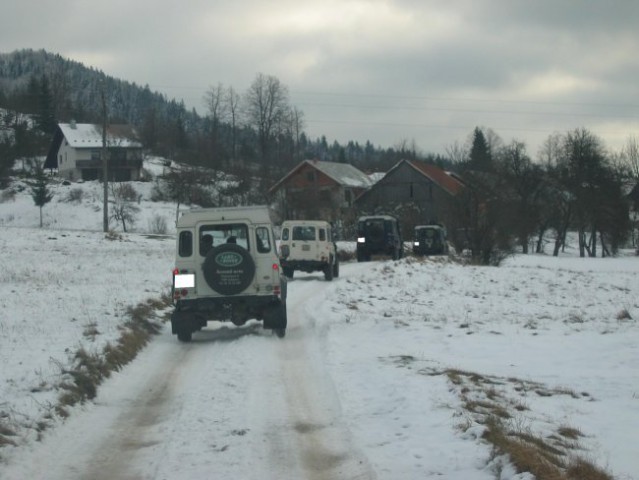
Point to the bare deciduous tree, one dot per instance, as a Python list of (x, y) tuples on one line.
[(550, 150), (630, 153), (186, 186), (480, 219), (232, 108), (124, 208), (214, 99), (297, 124), (525, 180), (599, 207), (457, 153), (266, 103)]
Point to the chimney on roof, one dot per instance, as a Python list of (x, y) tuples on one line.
[(72, 124)]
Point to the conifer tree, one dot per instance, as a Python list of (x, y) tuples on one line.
[(480, 155), (39, 188), (45, 115)]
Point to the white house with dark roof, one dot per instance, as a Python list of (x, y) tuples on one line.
[(76, 152)]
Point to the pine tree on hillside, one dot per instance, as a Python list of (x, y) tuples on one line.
[(39, 188), (45, 116), (480, 155)]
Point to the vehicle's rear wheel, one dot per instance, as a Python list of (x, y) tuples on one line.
[(336, 268), (275, 317), (328, 272), (184, 335)]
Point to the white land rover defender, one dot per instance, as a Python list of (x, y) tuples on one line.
[(227, 269), (308, 246)]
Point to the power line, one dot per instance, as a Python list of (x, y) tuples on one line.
[(469, 99), (628, 106), (466, 110)]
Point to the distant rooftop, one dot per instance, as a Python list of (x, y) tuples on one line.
[(343, 173), (88, 135)]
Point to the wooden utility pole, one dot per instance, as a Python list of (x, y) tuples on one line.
[(105, 170)]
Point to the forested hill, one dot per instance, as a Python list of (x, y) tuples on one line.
[(75, 91), (57, 90)]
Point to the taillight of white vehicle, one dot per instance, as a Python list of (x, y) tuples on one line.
[(182, 282)]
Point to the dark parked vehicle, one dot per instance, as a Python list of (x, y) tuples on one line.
[(430, 240), (379, 235)]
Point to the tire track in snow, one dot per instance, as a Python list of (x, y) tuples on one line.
[(128, 435), (313, 426), (236, 402)]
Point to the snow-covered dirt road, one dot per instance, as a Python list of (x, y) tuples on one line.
[(233, 403), (358, 388)]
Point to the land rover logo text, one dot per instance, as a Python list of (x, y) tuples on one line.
[(228, 259)]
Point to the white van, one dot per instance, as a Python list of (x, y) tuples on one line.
[(226, 268), (308, 246)]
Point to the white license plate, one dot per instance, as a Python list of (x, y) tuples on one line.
[(184, 280)]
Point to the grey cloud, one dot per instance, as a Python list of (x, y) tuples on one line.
[(432, 88)]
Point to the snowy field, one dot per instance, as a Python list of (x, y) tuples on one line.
[(556, 338)]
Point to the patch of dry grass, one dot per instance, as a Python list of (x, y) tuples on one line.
[(485, 401), (569, 432), (535, 455), (90, 369)]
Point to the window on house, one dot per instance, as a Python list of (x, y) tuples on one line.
[(411, 190), (348, 196)]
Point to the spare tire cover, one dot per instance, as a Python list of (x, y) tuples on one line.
[(228, 269), (376, 233)]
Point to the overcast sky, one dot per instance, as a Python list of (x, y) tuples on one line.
[(385, 71)]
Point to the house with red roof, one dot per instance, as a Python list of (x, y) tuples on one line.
[(416, 192), (318, 190)]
